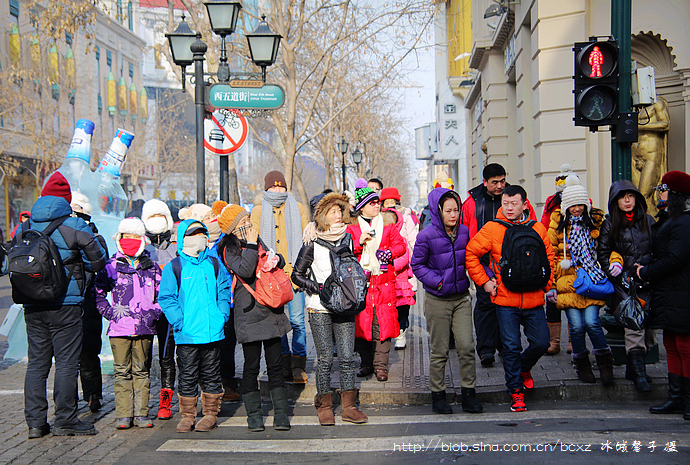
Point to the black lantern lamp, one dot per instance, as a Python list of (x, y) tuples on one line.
[(180, 46), (222, 15), (357, 156), (263, 46)]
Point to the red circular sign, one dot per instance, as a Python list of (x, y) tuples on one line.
[(225, 132)]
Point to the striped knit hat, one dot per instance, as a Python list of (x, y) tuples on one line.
[(363, 194)]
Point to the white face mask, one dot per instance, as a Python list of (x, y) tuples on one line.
[(157, 225), (194, 245)]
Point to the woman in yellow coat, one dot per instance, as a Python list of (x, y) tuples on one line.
[(573, 236)]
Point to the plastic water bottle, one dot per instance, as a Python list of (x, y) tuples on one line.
[(76, 168), (112, 199)]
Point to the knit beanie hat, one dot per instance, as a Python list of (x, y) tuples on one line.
[(274, 179), (156, 207), (230, 217), (566, 170), (443, 180), (573, 194), (363, 194), (218, 207), (80, 200), (197, 211), (131, 225), (57, 186), (390, 193), (677, 181)]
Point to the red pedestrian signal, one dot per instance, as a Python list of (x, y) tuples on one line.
[(596, 83)]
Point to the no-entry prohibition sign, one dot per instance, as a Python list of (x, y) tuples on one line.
[(225, 132)]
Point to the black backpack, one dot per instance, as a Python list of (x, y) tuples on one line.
[(345, 291), (524, 265), (36, 270)]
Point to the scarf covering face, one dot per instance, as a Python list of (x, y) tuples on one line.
[(213, 230), (368, 259), (334, 233), (293, 222), (241, 232), (582, 249)]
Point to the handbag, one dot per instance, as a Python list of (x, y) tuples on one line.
[(584, 286), (630, 313), (273, 288)]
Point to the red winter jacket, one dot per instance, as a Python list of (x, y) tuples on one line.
[(381, 292)]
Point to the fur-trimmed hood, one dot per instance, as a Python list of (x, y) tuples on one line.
[(325, 204)]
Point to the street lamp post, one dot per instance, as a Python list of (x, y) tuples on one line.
[(186, 47), (343, 150), (198, 50)]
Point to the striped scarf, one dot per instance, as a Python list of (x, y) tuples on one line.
[(582, 249)]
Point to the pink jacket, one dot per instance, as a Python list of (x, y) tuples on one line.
[(404, 290)]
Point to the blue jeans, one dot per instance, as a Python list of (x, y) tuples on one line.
[(585, 321), (515, 359), (299, 330)]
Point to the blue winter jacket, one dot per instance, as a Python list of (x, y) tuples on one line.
[(199, 308), (73, 235), (436, 260)]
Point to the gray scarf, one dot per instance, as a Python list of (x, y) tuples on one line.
[(293, 222)]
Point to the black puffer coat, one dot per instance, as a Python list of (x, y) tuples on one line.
[(253, 321), (669, 274), (633, 242)]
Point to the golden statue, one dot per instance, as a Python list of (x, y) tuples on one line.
[(649, 157)]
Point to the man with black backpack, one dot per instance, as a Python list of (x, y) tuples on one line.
[(521, 271), (48, 261)]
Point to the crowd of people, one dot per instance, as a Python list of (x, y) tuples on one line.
[(349, 263)]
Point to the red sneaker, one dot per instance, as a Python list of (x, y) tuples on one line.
[(518, 401), (164, 404), (527, 379)]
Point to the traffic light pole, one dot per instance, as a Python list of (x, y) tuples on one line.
[(621, 13)]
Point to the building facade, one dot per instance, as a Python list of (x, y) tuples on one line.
[(95, 74), (520, 106)]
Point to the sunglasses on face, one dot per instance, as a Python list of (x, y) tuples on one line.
[(375, 202), (661, 188)]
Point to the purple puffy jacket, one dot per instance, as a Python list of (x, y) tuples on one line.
[(435, 258), (135, 308)]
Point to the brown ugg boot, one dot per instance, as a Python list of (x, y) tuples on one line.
[(210, 408), (324, 408), (188, 412), (230, 395), (348, 400), (555, 338), (299, 364)]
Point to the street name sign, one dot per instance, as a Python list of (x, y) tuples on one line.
[(268, 97)]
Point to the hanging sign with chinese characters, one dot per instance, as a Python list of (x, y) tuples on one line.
[(267, 97)]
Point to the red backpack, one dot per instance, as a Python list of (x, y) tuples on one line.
[(273, 288)]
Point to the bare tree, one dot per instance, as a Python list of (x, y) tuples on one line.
[(324, 42)]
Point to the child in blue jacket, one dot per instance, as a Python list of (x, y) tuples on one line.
[(195, 298)]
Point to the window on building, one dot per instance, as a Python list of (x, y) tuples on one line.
[(14, 11), (130, 16), (99, 99)]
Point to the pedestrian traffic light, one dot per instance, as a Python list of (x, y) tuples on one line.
[(596, 83)]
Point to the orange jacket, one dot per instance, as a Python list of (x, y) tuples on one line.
[(490, 239)]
